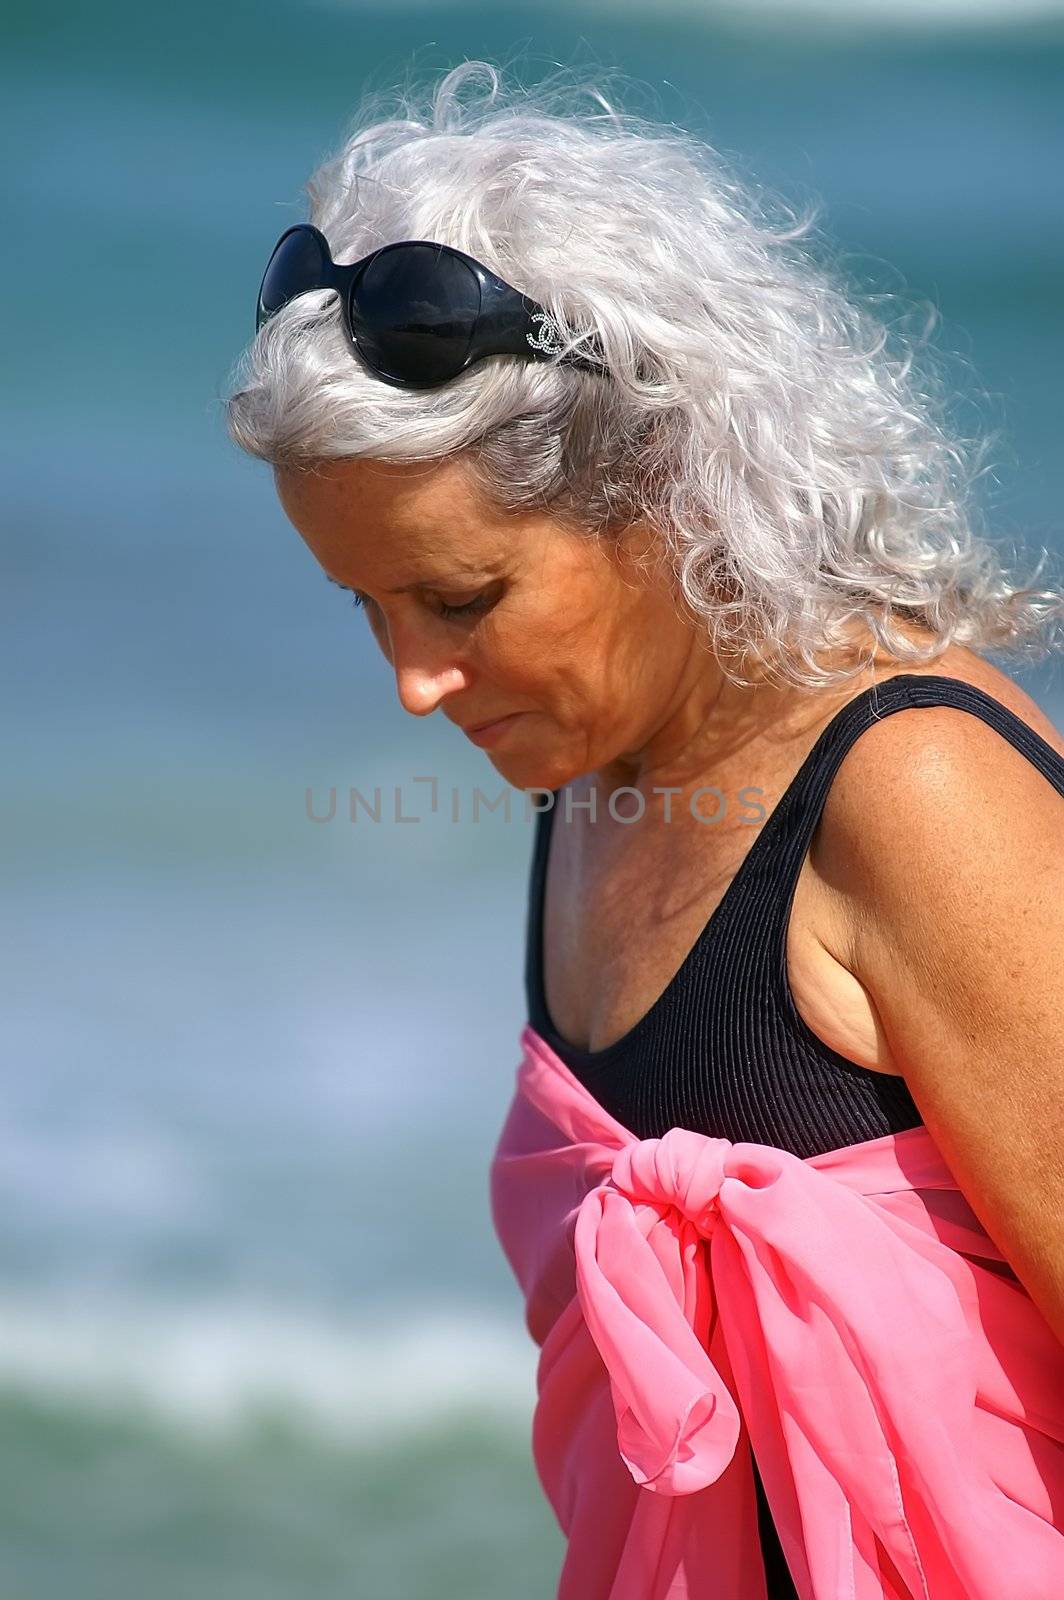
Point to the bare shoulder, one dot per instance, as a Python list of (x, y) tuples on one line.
[(921, 748), (932, 802)]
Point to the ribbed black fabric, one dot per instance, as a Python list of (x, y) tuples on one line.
[(723, 1050)]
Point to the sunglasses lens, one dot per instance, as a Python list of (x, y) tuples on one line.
[(298, 264), (413, 312)]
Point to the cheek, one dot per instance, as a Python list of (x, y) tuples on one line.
[(514, 654)]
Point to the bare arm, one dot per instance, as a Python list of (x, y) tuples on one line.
[(947, 847)]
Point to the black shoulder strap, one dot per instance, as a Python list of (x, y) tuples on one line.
[(806, 797)]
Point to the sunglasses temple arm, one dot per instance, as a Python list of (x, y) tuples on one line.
[(513, 324)]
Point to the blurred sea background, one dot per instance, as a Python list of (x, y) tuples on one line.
[(257, 1338)]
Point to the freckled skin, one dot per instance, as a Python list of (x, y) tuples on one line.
[(594, 643)]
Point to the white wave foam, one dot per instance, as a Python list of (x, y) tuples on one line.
[(214, 1367)]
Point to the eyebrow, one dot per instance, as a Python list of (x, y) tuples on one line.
[(352, 590), (405, 588)]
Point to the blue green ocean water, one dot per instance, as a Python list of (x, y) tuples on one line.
[(256, 1336)]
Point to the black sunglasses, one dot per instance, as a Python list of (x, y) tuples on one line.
[(417, 313)]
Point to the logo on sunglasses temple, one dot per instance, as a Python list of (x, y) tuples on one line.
[(549, 337)]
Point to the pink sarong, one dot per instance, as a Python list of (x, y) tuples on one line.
[(846, 1315)]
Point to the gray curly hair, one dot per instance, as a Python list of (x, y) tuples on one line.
[(790, 463)]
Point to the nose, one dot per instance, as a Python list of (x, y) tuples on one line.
[(426, 670), (421, 690)]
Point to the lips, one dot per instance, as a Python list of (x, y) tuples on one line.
[(485, 733)]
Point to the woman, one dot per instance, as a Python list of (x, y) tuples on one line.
[(635, 493)]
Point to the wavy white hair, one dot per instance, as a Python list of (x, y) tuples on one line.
[(763, 422)]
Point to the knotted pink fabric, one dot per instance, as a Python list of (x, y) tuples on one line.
[(847, 1316)]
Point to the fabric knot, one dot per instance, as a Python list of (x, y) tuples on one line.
[(681, 1170), (642, 1282)]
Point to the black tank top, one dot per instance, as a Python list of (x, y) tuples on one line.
[(723, 1050)]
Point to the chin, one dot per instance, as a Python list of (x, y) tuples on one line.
[(523, 770)]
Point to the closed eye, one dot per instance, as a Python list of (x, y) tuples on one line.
[(469, 608)]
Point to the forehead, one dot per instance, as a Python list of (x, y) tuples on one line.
[(380, 516)]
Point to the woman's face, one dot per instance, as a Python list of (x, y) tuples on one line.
[(489, 614)]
